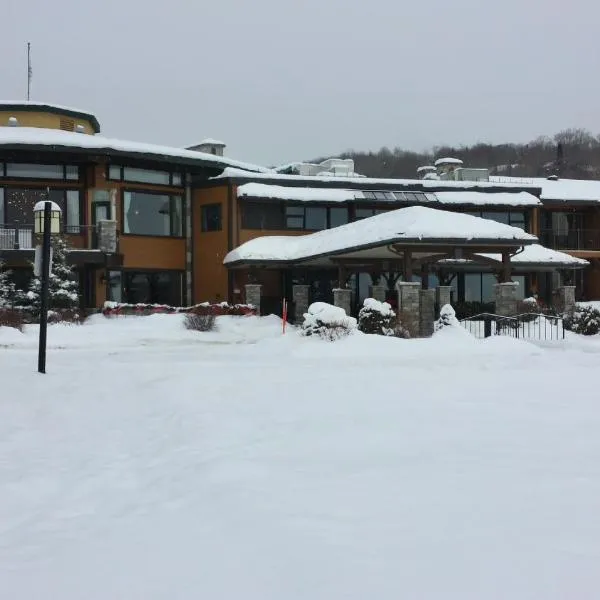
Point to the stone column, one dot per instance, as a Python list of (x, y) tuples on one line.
[(377, 292), (443, 295), (427, 312), (107, 236), (408, 306), (506, 298), (253, 293), (342, 297), (300, 300), (566, 298)]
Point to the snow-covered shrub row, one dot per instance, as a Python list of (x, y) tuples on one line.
[(114, 309), (447, 318), (376, 317), (584, 320), (12, 318), (327, 322)]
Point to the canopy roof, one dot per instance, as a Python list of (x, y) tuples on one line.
[(423, 230)]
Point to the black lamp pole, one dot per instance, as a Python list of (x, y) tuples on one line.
[(45, 286)]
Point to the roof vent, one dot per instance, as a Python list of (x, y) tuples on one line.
[(13, 122), (79, 128), (209, 146)]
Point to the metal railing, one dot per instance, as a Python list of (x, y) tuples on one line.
[(527, 326), (575, 239), (21, 237)]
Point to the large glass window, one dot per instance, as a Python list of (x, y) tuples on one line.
[(294, 217), (1, 206), (145, 213), (38, 171), (315, 218), (20, 202), (152, 287), (516, 218), (72, 212), (262, 215), (135, 175), (338, 216), (210, 216)]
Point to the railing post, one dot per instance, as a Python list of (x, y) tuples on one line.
[(16, 244), (487, 326)]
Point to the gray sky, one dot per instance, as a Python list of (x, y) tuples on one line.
[(279, 80)]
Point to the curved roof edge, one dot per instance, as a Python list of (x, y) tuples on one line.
[(57, 109)]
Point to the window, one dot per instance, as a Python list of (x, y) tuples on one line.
[(515, 218), (146, 213), (210, 216), (1, 206), (338, 216), (315, 218), (72, 212), (36, 171), (114, 290), (294, 217), (262, 215), (119, 173), (152, 287)]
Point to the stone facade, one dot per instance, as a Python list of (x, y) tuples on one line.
[(566, 298), (300, 300), (107, 236), (426, 312), (377, 292), (409, 306), (342, 297), (443, 295), (253, 294), (505, 295)]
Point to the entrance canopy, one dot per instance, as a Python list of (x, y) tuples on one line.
[(422, 233)]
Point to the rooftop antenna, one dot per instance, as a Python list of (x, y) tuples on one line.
[(29, 71)]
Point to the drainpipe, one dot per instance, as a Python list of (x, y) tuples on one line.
[(189, 242)]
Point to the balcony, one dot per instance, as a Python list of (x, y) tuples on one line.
[(575, 239), (21, 237)]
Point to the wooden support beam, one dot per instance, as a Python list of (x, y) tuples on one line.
[(506, 267), (425, 276)]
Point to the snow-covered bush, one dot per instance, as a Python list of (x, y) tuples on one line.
[(447, 318), (11, 318), (63, 288), (199, 322), (115, 309), (7, 288), (584, 320), (376, 317), (327, 322)]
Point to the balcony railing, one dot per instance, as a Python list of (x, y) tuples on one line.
[(575, 239), (21, 237)]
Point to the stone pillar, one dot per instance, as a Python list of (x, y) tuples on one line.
[(253, 293), (342, 297), (107, 236), (377, 292), (427, 312), (443, 295), (566, 298), (506, 298), (300, 300), (408, 306)]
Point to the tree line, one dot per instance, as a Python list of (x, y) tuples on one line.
[(571, 153)]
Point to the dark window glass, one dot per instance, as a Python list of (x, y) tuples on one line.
[(114, 287), (114, 172), (33, 171), (517, 219), (338, 216), (472, 287), (72, 172), (294, 217), (1, 206), (400, 196), (369, 195), (363, 213), (146, 176), (315, 218), (152, 214), (262, 215), (211, 217), (159, 287), (20, 202), (412, 197), (499, 217)]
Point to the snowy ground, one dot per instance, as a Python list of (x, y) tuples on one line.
[(152, 462)]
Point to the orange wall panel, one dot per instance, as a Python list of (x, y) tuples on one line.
[(143, 252)]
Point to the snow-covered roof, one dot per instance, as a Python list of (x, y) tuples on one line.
[(56, 139), (316, 194), (426, 168), (208, 142), (448, 161), (562, 190), (415, 225), (30, 105), (534, 254), (372, 182)]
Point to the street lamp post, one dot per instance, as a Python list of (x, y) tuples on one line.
[(46, 223)]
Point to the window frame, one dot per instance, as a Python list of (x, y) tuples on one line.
[(126, 190), (172, 176), (66, 169), (204, 222)]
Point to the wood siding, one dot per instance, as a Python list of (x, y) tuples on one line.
[(42, 119)]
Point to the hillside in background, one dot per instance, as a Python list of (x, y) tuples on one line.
[(572, 153)]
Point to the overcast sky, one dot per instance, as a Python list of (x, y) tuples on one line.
[(279, 80)]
